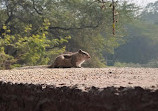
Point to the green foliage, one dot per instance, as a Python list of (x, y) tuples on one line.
[(150, 13), (152, 63), (142, 41), (119, 64), (5, 60), (30, 48), (41, 29)]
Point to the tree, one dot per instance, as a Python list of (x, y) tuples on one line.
[(88, 24), (142, 42), (28, 49), (150, 13)]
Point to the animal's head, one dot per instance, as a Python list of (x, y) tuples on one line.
[(84, 54)]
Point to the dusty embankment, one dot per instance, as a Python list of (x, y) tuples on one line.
[(84, 77), (79, 89)]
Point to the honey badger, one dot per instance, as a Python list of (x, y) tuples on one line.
[(70, 60)]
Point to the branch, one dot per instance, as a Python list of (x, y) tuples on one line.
[(34, 7), (74, 28), (9, 19), (10, 11), (101, 1)]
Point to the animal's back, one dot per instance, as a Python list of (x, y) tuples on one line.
[(63, 61), (70, 60)]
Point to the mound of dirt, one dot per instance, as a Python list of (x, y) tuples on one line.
[(83, 77), (79, 89)]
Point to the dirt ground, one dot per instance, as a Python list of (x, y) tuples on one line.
[(84, 77)]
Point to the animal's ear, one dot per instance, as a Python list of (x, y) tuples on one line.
[(80, 51)]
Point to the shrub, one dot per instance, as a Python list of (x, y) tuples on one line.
[(28, 48), (119, 64)]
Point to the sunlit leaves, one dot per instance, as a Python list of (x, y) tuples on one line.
[(31, 48), (28, 28)]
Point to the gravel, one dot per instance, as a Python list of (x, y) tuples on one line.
[(83, 77)]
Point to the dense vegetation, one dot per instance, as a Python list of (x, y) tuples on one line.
[(141, 48), (33, 32)]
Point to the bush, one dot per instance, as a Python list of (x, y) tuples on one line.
[(152, 63), (28, 48), (5, 60), (119, 64)]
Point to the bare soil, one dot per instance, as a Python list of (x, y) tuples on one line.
[(84, 77), (79, 89)]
